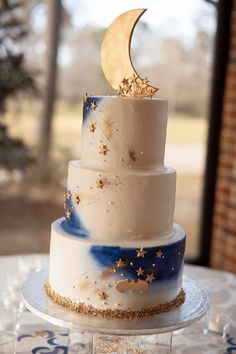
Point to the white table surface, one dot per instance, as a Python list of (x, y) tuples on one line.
[(221, 288)]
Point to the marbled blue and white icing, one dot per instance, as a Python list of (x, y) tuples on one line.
[(91, 268)]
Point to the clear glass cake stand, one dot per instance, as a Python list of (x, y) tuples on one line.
[(100, 336)]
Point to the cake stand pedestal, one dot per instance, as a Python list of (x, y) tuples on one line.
[(99, 336)]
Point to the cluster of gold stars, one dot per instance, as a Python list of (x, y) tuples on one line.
[(149, 277), (141, 253), (103, 149), (93, 105), (136, 87)]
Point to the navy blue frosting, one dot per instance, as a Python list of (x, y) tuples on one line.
[(74, 225), (165, 268), (87, 106)]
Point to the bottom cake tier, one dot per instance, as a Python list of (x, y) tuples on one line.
[(131, 280)]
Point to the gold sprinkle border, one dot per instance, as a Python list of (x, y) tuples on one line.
[(113, 313)]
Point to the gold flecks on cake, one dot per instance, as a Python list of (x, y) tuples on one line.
[(136, 87), (140, 271), (92, 128), (102, 295), (120, 263), (159, 254), (141, 252), (131, 285), (77, 199), (132, 155), (103, 149), (93, 105), (85, 98), (113, 313), (150, 277)]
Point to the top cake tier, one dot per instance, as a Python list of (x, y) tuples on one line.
[(123, 133)]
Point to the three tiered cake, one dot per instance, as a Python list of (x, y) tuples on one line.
[(117, 253)]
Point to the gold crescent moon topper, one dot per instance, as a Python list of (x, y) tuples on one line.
[(116, 60)]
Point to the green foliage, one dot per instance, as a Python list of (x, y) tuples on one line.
[(14, 78), (13, 153)]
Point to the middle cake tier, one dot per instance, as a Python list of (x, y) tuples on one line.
[(125, 205)]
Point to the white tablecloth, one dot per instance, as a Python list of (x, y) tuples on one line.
[(36, 333)]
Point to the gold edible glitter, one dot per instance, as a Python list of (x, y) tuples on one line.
[(81, 307)]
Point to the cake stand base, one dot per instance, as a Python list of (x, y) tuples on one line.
[(98, 335)]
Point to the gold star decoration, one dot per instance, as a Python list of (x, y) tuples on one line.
[(103, 149), (68, 194), (92, 128), (68, 213), (77, 199), (134, 86), (141, 252), (120, 263), (125, 81), (102, 295), (150, 278), (100, 183), (85, 98), (159, 254), (65, 205), (93, 105), (140, 271)]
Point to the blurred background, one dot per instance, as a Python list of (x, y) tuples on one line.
[(49, 58)]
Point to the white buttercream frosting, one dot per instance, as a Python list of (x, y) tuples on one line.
[(127, 126)]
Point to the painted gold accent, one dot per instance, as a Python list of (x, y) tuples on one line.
[(103, 149), (107, 126), (126, 285), (150, 277), (108, 272), (125, 314), (141, 252), (120, 263), (115, 56), (159, 254), (140, 271)]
